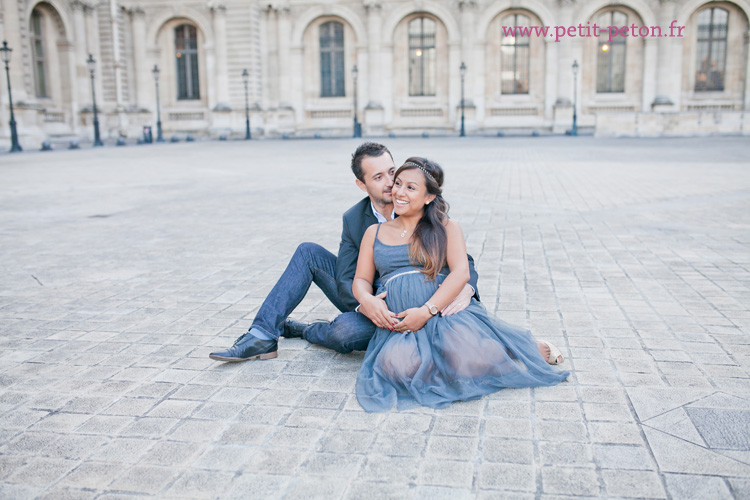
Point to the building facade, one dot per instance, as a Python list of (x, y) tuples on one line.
[(300, 56)]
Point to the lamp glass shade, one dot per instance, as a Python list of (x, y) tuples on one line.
[(6, 52), (156, 72), (91, 63), (463, 70)]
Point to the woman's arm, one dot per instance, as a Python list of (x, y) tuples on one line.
[(451, 286), (371, 306)]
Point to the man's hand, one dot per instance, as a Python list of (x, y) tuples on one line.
[(377, 311), (412, 319), (460, 303)]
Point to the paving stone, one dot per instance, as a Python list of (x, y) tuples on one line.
[(199, 484), (400, 470), (42, 472), (508, 451), (144, 479), (512, 477), (250, 485), (404, 445), (443, 472), (565, 453), (633, 484), (569, 481), (457, 448), (332, 464), (693, 487), (344, 441)]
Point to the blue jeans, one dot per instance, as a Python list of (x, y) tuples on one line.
[(311, 263)]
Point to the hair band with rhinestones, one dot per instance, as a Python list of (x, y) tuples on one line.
[(420, 167)]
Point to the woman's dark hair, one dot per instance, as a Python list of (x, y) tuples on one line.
[(430, 241)]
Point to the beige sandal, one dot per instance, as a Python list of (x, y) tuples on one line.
[(555, 356)]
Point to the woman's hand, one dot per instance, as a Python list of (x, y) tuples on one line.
[(412, 319), (375, 308)]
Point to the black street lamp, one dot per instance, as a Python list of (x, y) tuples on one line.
[(159, 136), (92, 66), (463, 76), (574, 131), (14, 145), (245, 78), (357, 125)]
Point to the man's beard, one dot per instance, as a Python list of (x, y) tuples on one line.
[(383, 201)]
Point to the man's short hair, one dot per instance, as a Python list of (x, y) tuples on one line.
[(362, 152)]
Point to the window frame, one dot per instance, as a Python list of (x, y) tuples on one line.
[(711, 43), (188, 56)]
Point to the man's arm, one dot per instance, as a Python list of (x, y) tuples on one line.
[(474, 277), (346, 266)]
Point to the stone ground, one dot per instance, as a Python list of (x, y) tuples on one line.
[(122, 268)]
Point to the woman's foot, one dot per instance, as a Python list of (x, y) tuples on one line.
[(549, 352)]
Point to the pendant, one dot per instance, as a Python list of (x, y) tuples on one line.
[(404, 233)]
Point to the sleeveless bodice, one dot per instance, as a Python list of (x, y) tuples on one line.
[(389, 258)]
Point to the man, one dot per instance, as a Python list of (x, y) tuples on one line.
[(372, 165)]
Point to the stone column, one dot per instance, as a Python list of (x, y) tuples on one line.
[(92, 47), (649, 73), (283, 32), (373, 117), (144, 85), (114, 27), (746, 39), (272, 59), (665, 77), (222, 69), (12, 34), (82, 84), (374, 24), (468, 20)]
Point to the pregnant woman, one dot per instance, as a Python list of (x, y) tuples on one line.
[(426, 358)]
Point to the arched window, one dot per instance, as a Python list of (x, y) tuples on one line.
[(610, 60), (186, 55), (332, 59), (37, 52), (711, 50), (422, 57), (514, 57)]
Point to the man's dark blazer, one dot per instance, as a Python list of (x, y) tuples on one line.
[(356, 221)]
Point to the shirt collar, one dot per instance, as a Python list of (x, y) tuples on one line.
[(381, 219)]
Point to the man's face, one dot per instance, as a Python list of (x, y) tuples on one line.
[(378, 178)]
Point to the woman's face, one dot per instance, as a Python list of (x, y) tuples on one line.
[(410, 192)]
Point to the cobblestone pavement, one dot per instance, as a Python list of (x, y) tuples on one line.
[(122, 268)]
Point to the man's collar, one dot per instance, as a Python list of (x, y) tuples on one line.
[(380, 217)]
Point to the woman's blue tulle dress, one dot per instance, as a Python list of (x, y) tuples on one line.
[(452, 358)]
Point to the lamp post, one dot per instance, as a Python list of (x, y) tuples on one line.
[(463, 76), (574, 131), (14, 145), (92, 66), (357, 125), (245, 78), (159, 136)]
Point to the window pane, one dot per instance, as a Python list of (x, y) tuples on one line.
[(37, 52), (195, 85), (514, 59), (422, 57), (332, 71), (711, 48), (618, 68), (602, 69), (338, 71)]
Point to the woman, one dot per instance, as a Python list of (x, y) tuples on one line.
[(425, 358)]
